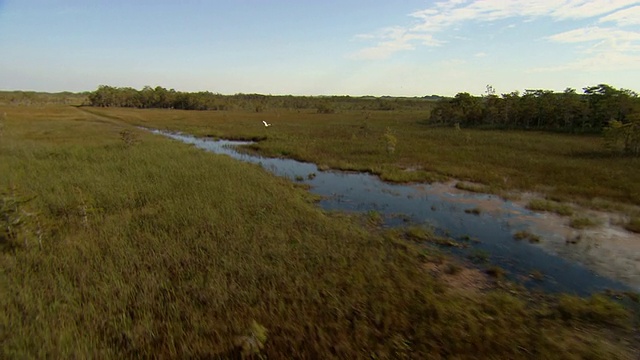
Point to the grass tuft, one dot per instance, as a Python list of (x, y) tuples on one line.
[(582, 222), (596, 309), (496, 272), (474, 211), (479, 256), (476, 188), (524, 234), (550, 206)]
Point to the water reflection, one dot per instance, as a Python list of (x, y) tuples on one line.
[(443, 211)]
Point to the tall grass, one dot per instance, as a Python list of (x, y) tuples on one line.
[(572, 167), (152, 248)]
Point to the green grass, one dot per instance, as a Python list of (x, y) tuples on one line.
[(524, 234), (596, 309), (583, 222), (550, 206), (572, 167), (153, 248), (420, 234), (477, 188), (479, 256)]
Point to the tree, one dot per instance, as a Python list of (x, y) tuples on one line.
[(573, 109), (607, 104), (625, 136)]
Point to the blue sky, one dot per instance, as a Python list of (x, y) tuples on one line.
[(329, 47)]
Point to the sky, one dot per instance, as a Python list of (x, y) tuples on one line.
[(320, 47)]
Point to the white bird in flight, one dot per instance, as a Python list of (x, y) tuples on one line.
[(266, 124)]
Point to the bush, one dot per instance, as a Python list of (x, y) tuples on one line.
[(624, 137)]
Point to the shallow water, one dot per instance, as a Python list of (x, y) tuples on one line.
[(436, 206)]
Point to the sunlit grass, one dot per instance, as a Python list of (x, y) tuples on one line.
[(550, 206), (582, 222), (572, 167), (153, 248), (524, 234)]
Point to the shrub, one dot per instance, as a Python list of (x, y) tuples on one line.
[(390, 141), (582, 222), (624, 137)]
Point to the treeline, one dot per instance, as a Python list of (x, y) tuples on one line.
[(27, 98), (591, 111), (160, 97)]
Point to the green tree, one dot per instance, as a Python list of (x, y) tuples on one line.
[(607, 104), (625, 136)]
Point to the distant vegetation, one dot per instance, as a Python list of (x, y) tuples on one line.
[(591, 111), (26, 98), (541, 109), (599, 108), (566, 167), (159, 97)]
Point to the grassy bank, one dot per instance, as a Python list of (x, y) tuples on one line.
[(562, 166), (130, 245)]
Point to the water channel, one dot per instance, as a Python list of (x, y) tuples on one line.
[(444, 211)]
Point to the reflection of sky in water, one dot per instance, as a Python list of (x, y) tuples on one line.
[(444, 211)]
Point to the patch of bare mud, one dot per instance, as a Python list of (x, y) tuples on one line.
[(606, 248), (459, 277)]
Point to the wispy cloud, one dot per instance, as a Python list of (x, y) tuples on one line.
[(624, 17), (394, 39), (594, 34), (604, 49), (428, 24)]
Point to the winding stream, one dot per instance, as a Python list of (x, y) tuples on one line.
[(435, 206)]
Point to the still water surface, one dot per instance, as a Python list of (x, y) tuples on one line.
[(441, 210)]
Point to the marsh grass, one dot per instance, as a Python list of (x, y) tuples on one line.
[(161, 250), (501, 160), (526, 235), (537, 275), (374, 218), (473, 211), (583, 222), (421, 234), (596, 309), (633, 225), (550, 206), (452, 268), (477, 188), (478, 256), (495, 271)]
